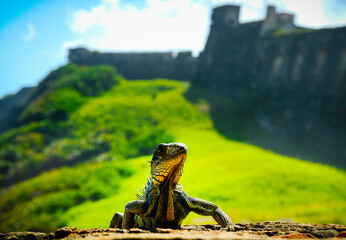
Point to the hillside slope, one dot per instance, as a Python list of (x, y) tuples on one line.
[(108, 132), (32, 144)]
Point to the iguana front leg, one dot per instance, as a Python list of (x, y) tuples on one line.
[(126, 220), (117, 220), (139, 207), (134, 207), (206, 208)]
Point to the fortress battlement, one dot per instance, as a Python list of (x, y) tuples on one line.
[(241, 52), (141, 65)]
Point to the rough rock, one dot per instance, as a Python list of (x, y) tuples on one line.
[(325, 233), (24, 236), (264, 230), (296, 236)]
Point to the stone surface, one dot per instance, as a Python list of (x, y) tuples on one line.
[(24, 236), (262, 230), (325, 233), (296, 236)]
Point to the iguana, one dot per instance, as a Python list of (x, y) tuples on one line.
[(163, 202)]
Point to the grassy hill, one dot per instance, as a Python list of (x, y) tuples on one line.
[(36, 143), (104, 139)]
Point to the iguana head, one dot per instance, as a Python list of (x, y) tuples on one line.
[(167, 163)]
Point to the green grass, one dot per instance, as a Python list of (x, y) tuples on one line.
[(45, 122), (248, 183), (39, 204), (134, 116), (127, 121), (282, 32), (112, 130)]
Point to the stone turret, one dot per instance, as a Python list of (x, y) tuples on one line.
[(274, 21), (286, 21), (226, 15), (269, 23)]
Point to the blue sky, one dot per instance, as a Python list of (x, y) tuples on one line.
[(35, 34)]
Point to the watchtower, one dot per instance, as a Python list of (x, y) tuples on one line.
[(275, 21), (226, 15)]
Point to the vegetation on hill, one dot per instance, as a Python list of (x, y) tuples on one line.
[(56, 134), (101, 137), (40, 203), (64, 90), (25, 151)]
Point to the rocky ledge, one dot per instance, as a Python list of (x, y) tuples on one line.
[(263, 230)]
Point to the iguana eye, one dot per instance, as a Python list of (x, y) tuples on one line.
[(160, 149)]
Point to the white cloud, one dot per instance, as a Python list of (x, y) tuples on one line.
[(313, 17), (161, 25), (314, 13), (30, 35), (171, 24)]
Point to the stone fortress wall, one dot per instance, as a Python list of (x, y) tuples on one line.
[(240, 49), (141, 65), (300, 74), (294, 54)]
